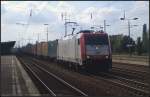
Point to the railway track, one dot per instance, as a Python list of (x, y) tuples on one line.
[(52, 83), (136, 68), (130, 82), (133, 74), (135, 88), (132, 87)]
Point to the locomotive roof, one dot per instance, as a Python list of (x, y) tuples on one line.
[(86, 31), (78, 35)]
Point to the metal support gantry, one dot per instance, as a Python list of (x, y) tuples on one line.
[(129, 26)]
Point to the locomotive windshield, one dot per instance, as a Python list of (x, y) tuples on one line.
[(96, 40)]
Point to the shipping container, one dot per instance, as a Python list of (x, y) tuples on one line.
[(34, 50), (44, 49), (39, 49), (28, 49), (52, 49)]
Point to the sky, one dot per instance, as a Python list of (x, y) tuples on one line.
[(24, 20)]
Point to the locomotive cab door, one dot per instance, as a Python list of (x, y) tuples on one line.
[(76, 49)]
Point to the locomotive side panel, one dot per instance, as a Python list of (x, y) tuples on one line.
[(78, 51), (71, 50), (68, 50)]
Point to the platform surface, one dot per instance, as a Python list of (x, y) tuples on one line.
[(14, 79)]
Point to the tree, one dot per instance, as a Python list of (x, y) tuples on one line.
[(116, 42), (120, 43), (139, 46), (145, 39), (148, 38), (124, 43), (147, 43), (127, 44)]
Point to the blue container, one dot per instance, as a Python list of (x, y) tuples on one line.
[(52, 49)]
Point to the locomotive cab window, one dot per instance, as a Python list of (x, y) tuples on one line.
[(96, 40)]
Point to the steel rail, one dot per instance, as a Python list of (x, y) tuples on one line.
[(134, 91), (130, 81), (137, 72), (49, 90), (60, 80)]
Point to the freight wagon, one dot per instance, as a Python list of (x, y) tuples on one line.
[(38, 53), (33, 49), (44, 49), (87, 49), (27, 49), (52, 49)]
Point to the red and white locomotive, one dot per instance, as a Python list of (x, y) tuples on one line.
[(87, 49)]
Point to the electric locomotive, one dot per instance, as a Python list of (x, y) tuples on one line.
[(86, 49)]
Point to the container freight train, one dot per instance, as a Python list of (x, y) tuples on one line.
[(87, 49)]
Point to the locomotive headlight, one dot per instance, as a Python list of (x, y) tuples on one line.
[(106, 57), (88, 57)]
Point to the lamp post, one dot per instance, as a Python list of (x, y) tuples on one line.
[(47, 31), (129, 26), (38, 37)]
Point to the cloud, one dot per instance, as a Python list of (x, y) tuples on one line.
[(10, 32), (62, 7), (79, 11), (3, 10), (139, 8), (99, 14), (141, 11), (24, 6)]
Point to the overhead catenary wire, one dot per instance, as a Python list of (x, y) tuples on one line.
[(28, 21)]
